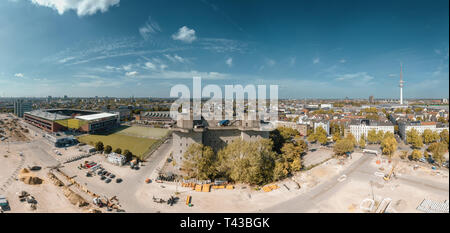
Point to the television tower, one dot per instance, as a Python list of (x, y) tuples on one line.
[(401, 84)]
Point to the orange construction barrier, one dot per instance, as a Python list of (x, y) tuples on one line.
[(230, 187), (198, 188), (206, 188)]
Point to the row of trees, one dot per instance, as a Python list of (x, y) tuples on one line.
[(253, 162), (319, 135), (108, 149), (417, 140), (436, 150), (349, 143)]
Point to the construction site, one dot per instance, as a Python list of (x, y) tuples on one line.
[(35, 176)]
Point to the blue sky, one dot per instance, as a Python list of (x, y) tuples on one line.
[(312, 49)]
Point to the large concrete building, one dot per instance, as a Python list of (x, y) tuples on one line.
[(362, 127), (163, 117), (420, 127), (20, 107), (57, 120), (213, 134), (301, 128)]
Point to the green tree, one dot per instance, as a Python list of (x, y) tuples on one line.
[(322, 139), (108, 149), (319, 135), (301, 143), (416, 155), (248, 162), (281, 170), (128, 155), (336, 136), (430, 136), (425, 154), (282, 135), (372, 136), (414, 139), (380, 136), (352, 139), (290, 154), (389, 146), (99, 146), (199, 162), (343, 146), (438, 150), (118, 151), (362, 142), (444, 136), (442, 120)]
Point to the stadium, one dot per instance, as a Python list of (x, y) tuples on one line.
[(83, 121)]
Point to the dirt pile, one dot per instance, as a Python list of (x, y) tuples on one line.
[(29, 178)]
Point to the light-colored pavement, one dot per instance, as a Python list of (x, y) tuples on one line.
[(360, 170), (304, 202)]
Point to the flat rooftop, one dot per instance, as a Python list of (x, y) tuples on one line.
[(47, 115), (95, 116)]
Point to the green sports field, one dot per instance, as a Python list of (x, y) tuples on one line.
[(135, 139), (139, 131)]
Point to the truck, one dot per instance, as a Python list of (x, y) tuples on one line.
[(4, 204)]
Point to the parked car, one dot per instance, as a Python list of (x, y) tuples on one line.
[(118, 180), (102, 177), (445, 164), (112, 176), (107, 181)]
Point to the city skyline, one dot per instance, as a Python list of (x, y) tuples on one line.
[(126, 48)]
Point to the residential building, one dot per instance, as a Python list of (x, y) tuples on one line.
[(420, 127), (362, 127)]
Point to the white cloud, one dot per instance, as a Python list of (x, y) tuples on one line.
[(392, 75), (170, 74), (316, 60), (150, 65), (151, 27), (437, 51), (229, 62), (131, 74), (19, 75), (356, 77), (185, 34), (127, 67), (163, 67), (175, 58), (64, 60), (342, 61), (82, 7)]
